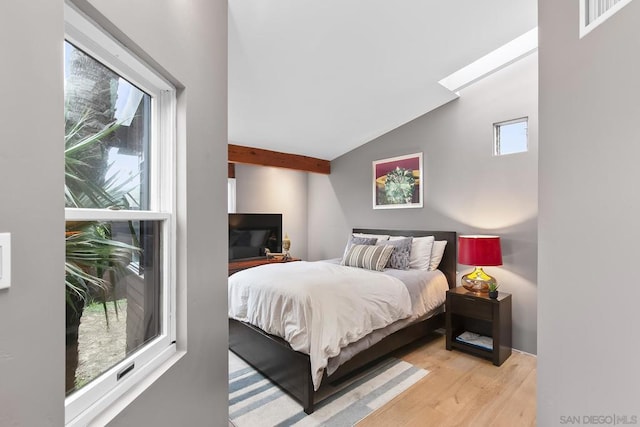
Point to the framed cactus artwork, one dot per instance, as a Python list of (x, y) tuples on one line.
[(398, 182)]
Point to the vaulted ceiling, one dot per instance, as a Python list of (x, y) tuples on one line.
[(320, 78)]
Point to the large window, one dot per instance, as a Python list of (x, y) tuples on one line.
[(119, 269)]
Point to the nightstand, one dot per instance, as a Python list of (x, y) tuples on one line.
[(479, 314)]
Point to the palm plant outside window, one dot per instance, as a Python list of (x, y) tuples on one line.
[(106, 142)]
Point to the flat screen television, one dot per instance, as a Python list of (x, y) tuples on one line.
[(251, 233)]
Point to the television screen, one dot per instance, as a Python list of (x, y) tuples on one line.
[(251, 234)]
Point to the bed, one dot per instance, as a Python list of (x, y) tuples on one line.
[(292, 370)]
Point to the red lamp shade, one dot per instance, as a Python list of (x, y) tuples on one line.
[(479, 251)]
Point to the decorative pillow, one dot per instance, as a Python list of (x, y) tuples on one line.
[(420, 251), (401, 255), (371, 257), (436, 254), (354, 240), (380, 237)]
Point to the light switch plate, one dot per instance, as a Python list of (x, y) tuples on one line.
[(5, 260)]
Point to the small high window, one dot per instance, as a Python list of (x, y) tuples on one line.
[(510, 137), (595, 12)]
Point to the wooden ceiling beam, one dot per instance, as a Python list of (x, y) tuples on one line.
[(259, 156)]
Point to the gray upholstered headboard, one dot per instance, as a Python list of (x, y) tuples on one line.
[(449, 259)]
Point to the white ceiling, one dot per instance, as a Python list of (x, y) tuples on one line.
[(322, 77)]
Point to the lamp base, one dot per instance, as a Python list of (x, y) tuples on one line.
[(478, 281)]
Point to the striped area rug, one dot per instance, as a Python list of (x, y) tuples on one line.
[(256, 402)]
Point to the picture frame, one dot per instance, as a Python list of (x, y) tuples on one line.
[(398, 182)]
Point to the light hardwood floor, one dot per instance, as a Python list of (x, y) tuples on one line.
[(462, 390)]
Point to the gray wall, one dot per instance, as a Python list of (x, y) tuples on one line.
[(589, 210), (189, 42), (261, 189), (32, 210), (467, 189)]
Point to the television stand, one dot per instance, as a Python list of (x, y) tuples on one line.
[(243, 264)]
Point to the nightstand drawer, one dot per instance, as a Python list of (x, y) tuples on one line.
[(472, 307)]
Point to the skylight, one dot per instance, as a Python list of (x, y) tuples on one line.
[(501, 57)]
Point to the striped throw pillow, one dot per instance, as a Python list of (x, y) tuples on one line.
[(367, 256)]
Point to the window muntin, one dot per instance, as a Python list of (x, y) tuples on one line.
[(145, 224), (510, 137)]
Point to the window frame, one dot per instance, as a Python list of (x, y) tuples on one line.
[(496, 135), (231, 195), (586, 27), (86, 403)]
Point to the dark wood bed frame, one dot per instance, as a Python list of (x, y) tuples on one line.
[(291, 370)]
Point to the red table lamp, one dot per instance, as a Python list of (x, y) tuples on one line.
[(479, 251)]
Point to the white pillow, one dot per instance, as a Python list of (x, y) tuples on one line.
[(380, 237), (421, 248), (436, 254), (421, 251)]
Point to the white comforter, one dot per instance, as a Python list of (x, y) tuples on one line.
[(317, 307)]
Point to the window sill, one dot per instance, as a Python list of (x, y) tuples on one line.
[(107, 408)]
